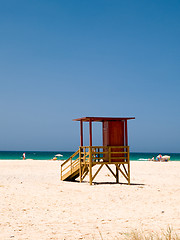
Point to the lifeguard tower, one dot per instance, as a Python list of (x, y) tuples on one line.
[(115, 150)]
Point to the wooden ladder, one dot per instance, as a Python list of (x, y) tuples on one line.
[(70, 168)]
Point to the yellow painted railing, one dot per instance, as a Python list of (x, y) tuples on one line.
[(106, 154), (70, 164)]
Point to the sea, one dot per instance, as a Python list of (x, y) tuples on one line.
[(45, 155)]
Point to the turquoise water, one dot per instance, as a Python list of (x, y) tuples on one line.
[(146, 156), (39, 155), (35, 155)]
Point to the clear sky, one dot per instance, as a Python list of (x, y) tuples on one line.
[(61, 60)]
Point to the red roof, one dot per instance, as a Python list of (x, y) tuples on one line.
[(102, 119)]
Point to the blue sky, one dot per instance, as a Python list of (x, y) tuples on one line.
[(61, 60)]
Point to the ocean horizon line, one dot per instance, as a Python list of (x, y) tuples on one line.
[(148, 152)]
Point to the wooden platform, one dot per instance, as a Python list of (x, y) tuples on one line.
[(82, 161)]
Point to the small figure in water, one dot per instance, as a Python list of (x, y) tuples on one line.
[(151, 159), (24, 156)]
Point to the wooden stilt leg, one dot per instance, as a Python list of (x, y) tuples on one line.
[(128, 166), (129, 173), (90, 175), (117, 175), (90, 166), (80, 173), (80, 167)]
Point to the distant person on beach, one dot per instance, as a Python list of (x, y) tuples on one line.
[(24, 156)]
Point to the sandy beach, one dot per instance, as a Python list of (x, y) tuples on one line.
[(35, 204)]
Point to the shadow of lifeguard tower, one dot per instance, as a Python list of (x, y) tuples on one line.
[(115, 150)]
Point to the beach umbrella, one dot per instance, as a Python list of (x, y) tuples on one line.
[(59, 155)]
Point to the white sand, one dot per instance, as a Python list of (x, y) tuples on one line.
[(35, 204)]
